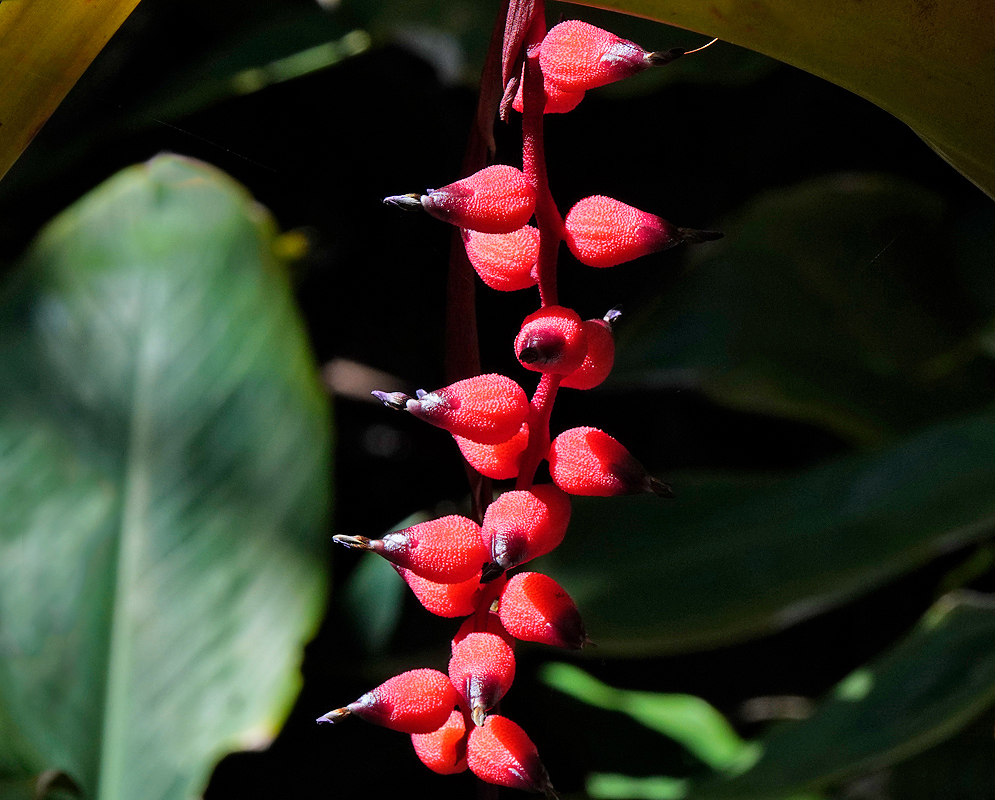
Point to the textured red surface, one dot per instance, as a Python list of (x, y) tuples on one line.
[(604, 232), (445, 550), (587, 461), (444, 599), (535, 608), (497, 461), (444, 750), (599, 359), (522, 525), (578, 56), (482, 669), (489, 409), (418, 701), (497, 199), (501, 752), (504, 261), (551, 340)]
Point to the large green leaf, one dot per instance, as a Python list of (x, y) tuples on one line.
[(931, 64), (928, 687), (727, 560), (163, 485), (831, 302)]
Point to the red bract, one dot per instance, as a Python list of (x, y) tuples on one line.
[(497, 199), (525, 524), (598, 361), (444, 599), (602, 232), (577, 56), (497, 461), (492, 624), (445, 550), (444, 750), (588, 461), (551, 340), (504, 261), (419, 701), (501, 752), (558, 99), (535, 608), (489, 409), (482, 670)]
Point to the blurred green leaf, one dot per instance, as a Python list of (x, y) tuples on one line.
[(164, 471), (683, 717), (624, 787), (816, 306), (728, 560), (932, 64), (931, 685)]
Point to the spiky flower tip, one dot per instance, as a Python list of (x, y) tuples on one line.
[(577, 56), (489, 409), (587, 461), (497, 199), (500, 752), (418, 701), (604, 232), (445, 550), (535, 608)]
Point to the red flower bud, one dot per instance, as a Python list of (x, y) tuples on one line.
[(445, 550), (419, 701), (558, 99), (489, 409), (497, 199), (535, 608), (500, 752), (600, 357), (577, 56), (504, 261), (444, 750), (551, 340), (492, 624), (588, 461), (497, 461), (525, 524), (482, 670), (444, 599)]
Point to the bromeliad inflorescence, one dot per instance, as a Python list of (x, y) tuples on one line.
[(457, 566)]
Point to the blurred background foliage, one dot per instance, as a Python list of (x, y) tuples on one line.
[(807, 619)]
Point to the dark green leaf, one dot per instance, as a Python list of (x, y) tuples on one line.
[(164, 470), (823, 303), (727, 560)]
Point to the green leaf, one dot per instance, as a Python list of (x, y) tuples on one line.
[(685, 718), (815, 307), (164, 472), (928, 687), (728, 560), (932, 64)]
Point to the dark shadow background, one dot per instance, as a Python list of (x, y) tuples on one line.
[(320, 151)]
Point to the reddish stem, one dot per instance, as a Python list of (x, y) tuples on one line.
[(539, 410), (548, 218)]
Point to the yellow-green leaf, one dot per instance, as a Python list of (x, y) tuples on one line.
[(45, 45), (931, 63)]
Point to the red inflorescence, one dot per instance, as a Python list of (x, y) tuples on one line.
[(525, 524), (501, 752), (497, 461), (535, 608), (491, 624), (577, 56), (443, 750), (497, 199), (598, 361), (603, 232), (588, 461), (552, 340), (482, 670), (418, 701), (504, 261), (489, 409)]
